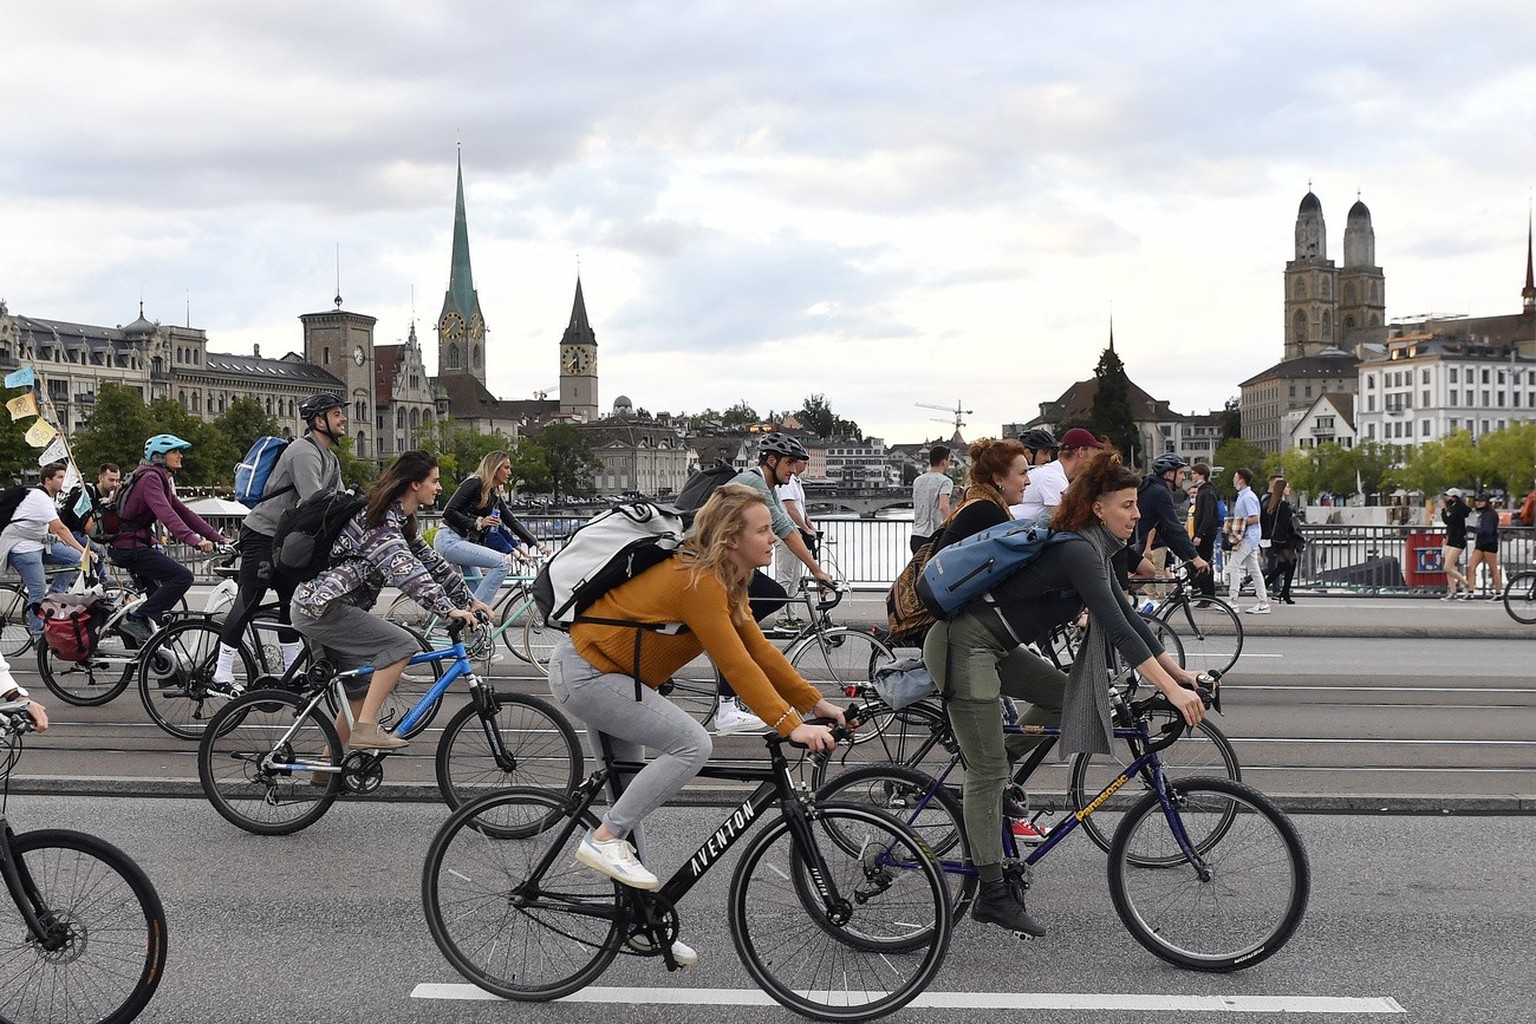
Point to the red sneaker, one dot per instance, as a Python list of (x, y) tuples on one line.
[(1026, 832)]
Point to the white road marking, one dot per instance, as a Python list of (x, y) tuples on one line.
[(966, 1000)]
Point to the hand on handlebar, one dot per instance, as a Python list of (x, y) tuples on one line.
[(1188, 703), (482, 611), (815, 738), (463, 615)]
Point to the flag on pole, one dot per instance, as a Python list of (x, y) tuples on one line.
[(57, 451), (40, 433), (22, 378), (22, 405)]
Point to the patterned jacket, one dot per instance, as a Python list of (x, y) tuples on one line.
[(364, 562)]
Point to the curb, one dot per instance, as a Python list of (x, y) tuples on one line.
[(716, 796)]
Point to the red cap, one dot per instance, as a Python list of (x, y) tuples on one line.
[(1077, 437)]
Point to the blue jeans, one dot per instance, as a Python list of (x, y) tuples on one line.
[(29, 566), (461, 552)]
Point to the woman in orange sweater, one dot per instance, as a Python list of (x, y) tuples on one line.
[(593, 674)]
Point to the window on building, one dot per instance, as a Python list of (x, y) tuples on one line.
[(1370, 431), (1424, 403), (1453, 375), (325, 355), (1452, 397), (1501, 376), (1370, 381), (1424, 376), (1486, 401), (1485, 376), (1500, 397), (1424, 428), (182, 397), (1469, 399)]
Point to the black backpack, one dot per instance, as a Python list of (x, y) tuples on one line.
[(9, 499), (700, 486), (106, 527), (306, 533)]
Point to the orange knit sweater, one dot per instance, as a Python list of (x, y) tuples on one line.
[(759, 672)]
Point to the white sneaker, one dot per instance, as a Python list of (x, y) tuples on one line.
[(731, 717), (684, 954), (616, 859), (1258, 609)]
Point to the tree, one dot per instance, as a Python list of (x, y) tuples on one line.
[(1231, 419), (816, 415), (572, 466), (460, 450), (244, 421), (355, 472), (18, 460), (530, 466), (1508, 456), (739, 415), (1230, 456), (1111, 417)]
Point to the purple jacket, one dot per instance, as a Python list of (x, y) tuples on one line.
[(154, 499)]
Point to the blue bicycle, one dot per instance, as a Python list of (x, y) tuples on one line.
[(272, 762)]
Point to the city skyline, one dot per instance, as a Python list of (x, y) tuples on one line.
[(885, 207)]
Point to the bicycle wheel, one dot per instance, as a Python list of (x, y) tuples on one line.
[(916, 736), (176, 677), (933, 813), (1210, 630), (514, 608), (539, 750), (403, 611), (1168, 638), (89, 683), (1520, 597), (538, 642), (508, 905), (14, 638), (1201, 752), (107, 917), (840, 661), (867, 951), (1235, 907), (255, 758)]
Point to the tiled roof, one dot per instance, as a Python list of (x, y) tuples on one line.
[(290, 367), (1341, 365)]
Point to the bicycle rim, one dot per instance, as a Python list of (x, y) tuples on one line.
[(1210, 630), (840, 662), (255, 777), (1520, 598), (111, 922), (884, 954), (89, 683), (14, 638), (1203, 751), (539, 642), (512, 933), (1241, 908), (913, 736), (176, 678), (543, 750)]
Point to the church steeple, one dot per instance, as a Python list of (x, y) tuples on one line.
[(578, 362), (461, 325), (1528, 293)]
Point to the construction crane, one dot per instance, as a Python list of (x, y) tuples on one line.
[(959, 412), (542, 394)]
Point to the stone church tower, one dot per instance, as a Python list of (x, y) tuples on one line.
[(1323, 303), (578, 363), (461, 325)]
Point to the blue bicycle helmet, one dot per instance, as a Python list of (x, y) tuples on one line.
[(156, 448)]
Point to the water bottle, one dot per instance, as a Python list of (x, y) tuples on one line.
[(1148, 608)]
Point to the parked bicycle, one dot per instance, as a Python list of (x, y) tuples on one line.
[(835, 910), (1205, 872), (85, 931), (272, 763)]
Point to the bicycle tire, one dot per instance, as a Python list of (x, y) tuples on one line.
[(840, 661), (516, 936), (114, 925), (1210, 630), (403, 611), (176, 677), (511, 611), (881, 957), (1205, 751), (89, 683), (14, 636), (1520, 597), (539, 642), (939, 822), (543, 746), (275, 800), (913, 736), (1254, 893)]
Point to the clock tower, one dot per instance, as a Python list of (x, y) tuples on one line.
[(460, 325), (341, 343), (578, 363)]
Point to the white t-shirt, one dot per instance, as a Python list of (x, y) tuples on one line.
[(1046, 484), (792, 491), (29, 526)]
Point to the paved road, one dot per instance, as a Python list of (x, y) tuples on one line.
[(1411, 918)]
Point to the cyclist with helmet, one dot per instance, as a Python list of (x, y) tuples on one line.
[(1048, 482), (1040, 446), (779, 457), (1160, 526), (306, 467), (150, 497)]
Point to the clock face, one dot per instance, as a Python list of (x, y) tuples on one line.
[(451, 326), (576, 359), (476, 327), (359, 356)]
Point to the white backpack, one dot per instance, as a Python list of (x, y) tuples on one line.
[(609, 549)]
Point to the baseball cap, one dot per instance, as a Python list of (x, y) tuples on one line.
[(1453, 492), (1077, 437)]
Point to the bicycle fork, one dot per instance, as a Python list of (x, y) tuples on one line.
[(43, 927)]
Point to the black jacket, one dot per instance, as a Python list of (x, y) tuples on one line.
[(1155, 501), (1207, 522), (464, 509)]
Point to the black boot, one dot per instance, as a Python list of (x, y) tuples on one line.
[(995, 904)]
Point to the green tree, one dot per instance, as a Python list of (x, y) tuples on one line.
[(739, 415), (1232, 419), (1111, 417), (459, 449), (116, 429), (18, 460), (572, 467), (816, 415), (1299, 467), (1230, 456), (530, 467), (244, 421), (355, 472), (1508, 457)]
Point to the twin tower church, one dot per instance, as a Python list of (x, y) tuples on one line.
[(391, 399)]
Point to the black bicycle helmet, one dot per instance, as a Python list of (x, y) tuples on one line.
[(1039, 439), (777, 443), (1166, 461), (317, 405)]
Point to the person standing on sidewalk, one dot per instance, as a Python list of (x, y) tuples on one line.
[(931, 492), (1245, 556), (792, 497), (306, 467), (1453, 513), (1485, 547), (1207, 526), (1282, 539)]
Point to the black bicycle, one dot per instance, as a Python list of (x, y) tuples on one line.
[(83, 937), (819, 912)]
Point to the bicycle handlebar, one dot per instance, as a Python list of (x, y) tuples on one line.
[(15, 718), (828, 597), (1209, 696)]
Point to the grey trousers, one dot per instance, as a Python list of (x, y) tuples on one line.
[(606, 703)]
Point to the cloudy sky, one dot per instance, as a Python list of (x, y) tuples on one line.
[(891, 202)]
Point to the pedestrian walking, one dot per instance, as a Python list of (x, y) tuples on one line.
[(1453, 513), (1245, 551), (1485, 547)]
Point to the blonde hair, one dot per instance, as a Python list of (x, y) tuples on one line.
[(487, 474), (707, 547)]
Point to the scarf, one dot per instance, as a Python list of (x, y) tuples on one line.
[(1085, 719)]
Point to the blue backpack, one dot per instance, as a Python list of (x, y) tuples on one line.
[(968, 569), (253, 471)]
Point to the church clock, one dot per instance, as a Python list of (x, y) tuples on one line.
[(452, 325), (476, 327)]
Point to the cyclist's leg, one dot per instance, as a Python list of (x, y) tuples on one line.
[(170, 580), (606, 703), (255, 574), (61, 556), (29, 566), (1028, 677), (493, 565), (352, 637)]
